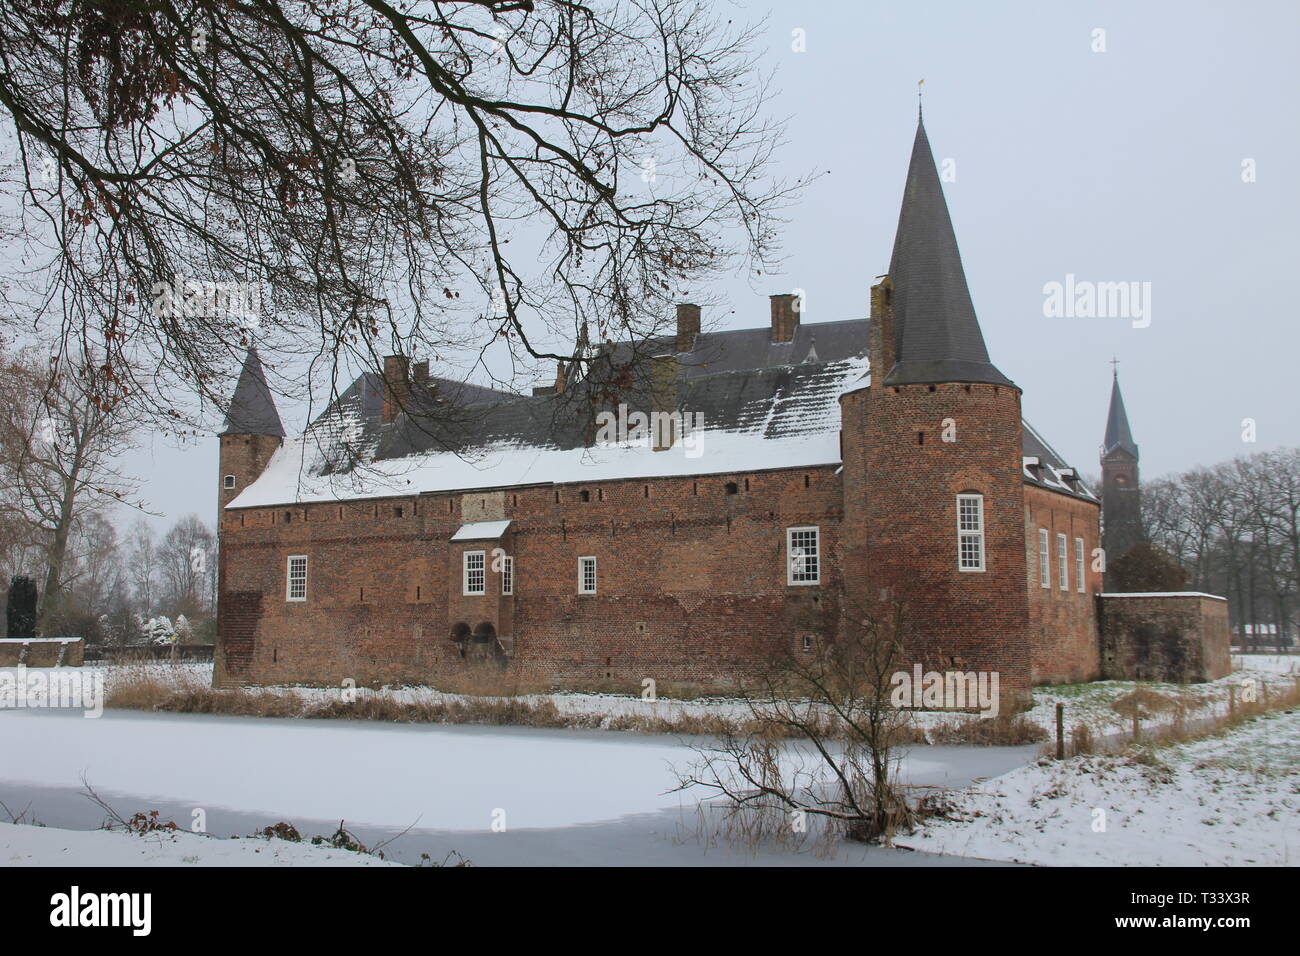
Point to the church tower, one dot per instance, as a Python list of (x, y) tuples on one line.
[(934, 498), (1121, 506), (252, 434)]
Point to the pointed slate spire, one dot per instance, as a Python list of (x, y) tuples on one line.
[(252, 409), (1118, 434), (937, 335)]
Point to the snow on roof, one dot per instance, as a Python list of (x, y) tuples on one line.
[(1151, 594), (480, 530), (745, 405)]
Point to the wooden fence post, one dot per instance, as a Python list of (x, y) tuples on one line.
[(1060, 731)]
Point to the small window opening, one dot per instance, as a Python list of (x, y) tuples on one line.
[(732, 488)]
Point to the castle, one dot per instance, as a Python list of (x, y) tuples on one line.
[(791, 474)]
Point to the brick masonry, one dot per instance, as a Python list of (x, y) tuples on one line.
[(1062, 623), (42, 653), (1180, 637)]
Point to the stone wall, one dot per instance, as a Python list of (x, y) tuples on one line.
[(1180, 637)]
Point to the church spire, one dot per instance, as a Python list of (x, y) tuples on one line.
[(937, 335), (252, 408), (1118, 434)]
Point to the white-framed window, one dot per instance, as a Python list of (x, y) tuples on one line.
[(1044, 559), (970, 532), (803, 555), (1062, 562), (1078, 564), (296, 584), (475, 576), (507, 575), (587, 575), (228, 481)]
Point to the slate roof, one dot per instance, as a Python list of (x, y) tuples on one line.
[(761, 404), (938, 337), (1119, 437), (776, 404), (252, 409)]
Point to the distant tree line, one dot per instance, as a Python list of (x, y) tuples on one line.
[(133, 589), (1235, 529)]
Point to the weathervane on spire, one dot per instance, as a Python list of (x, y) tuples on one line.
[(1114, 365), (919, 106)]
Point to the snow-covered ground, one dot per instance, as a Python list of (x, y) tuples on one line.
[(1232, 800), (24, 845), (596, 797), (1085, 704)]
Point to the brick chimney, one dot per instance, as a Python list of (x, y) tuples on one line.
[(663, 400), (785, 316), (561, 382), (882, 349), (688, 326), (397, 385)]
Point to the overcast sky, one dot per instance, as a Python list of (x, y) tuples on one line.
[(1117, 166)]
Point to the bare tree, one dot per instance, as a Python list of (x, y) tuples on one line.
[(142, 566), (186, 558), (61, 436), (351, 177), (822, 738)]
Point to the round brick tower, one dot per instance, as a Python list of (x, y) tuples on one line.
[(934, 497), (252, 434)]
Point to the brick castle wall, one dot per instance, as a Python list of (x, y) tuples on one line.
[(1062, 624), (901, 489), (691, 583), (1177, 637)]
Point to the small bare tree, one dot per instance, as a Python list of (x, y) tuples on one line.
[(821, 739)]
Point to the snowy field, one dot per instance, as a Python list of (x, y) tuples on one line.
[(528, 795), (1229, 800), (1085, 704), (22, 845)]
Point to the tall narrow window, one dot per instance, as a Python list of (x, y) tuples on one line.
[(507, 575), (475, 575), (1078, 564), (970, 532), (1044, 559), (296, 589), (1062, 565), (803, 556), (587, 575), (229, 481)]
